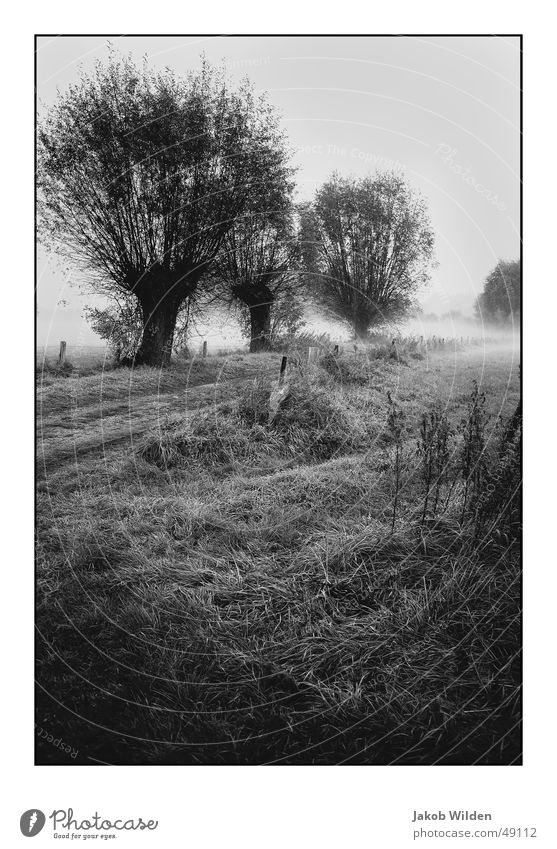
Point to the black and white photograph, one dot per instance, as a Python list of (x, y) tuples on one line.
[(278, 292), (278, 501)]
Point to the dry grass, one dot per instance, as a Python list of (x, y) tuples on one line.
[(222, 590)]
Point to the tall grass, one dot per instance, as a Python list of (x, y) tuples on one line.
[(247, 593)]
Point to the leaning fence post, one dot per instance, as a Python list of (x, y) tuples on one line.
[(280, 393), (313, 354), (336, 351), (62, 354), (204, 349), (282, 370)]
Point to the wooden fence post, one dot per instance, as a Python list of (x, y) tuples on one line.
[(282, 370), (280, 393), (204, 349), (336, 351), (62, 354)]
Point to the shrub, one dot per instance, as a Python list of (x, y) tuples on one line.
[(498, 506), (433, 453)]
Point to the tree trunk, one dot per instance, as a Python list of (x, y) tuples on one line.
[(161, 292), (159, 322), (260, 325)]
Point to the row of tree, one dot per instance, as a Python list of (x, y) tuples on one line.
[(173, 195)]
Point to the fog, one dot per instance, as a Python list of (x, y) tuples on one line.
[(457, 327), (222, 332)]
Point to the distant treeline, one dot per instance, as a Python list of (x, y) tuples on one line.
[(500, 299)]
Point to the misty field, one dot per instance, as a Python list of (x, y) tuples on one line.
[(339, 585)]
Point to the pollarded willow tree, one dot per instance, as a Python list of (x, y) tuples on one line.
[(367, 246), (142, 174), (257, 269)]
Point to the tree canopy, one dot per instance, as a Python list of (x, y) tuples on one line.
[(257, 268), (367, 246), (141, 175)]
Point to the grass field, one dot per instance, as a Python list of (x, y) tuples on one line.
[(215, 589)]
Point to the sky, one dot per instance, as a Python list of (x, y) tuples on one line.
[(444, 111)]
